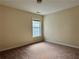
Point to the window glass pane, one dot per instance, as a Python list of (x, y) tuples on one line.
[(36, 28), (36, 23)]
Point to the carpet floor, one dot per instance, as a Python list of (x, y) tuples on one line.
[(42, 50)]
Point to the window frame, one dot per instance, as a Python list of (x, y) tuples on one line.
[(39, 27)]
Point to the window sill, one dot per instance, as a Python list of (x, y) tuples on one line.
[(37, 38)]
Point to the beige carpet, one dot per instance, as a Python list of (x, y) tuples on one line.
[(41, 50)]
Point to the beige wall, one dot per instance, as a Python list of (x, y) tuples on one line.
[(63, 27), (15, 27)]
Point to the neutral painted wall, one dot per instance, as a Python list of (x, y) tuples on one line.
[(63, 27), (15, 27)]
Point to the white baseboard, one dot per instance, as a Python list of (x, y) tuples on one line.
[(22, 44), (65, 44), (8, 48)]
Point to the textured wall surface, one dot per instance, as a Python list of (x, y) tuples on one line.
[(15, 27), (63, 26)]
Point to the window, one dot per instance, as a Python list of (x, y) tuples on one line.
[(36, 28)]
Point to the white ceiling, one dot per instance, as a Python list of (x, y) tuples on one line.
[(46, 7)]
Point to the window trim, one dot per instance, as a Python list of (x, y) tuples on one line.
[(39, 27)]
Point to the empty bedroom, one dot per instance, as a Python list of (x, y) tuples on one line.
[(39, 29)]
